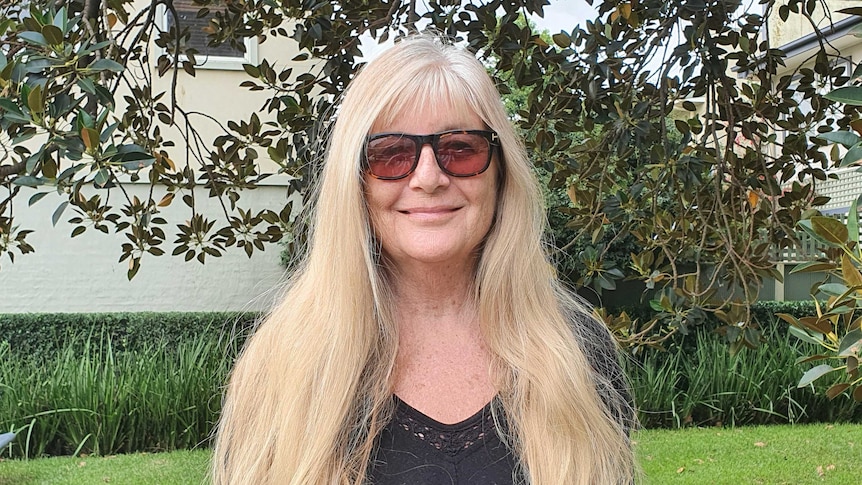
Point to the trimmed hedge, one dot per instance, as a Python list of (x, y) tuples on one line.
[(48, 333), (45, 333)]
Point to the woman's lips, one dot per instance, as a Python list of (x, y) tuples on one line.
[(429, 213), (429, 210)]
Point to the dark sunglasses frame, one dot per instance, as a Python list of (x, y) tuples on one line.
[(433, 139)]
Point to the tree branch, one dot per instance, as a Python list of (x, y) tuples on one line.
[(9, 170)]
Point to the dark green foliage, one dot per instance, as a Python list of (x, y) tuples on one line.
[(45, 334), (703, 385), (130, 387), (762, 313), (89, 397)]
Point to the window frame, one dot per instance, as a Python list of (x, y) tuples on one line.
[(223, 63)]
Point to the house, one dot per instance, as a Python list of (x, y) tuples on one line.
[(797, 39), (81, 274)]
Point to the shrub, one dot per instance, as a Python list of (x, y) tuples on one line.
[(49, 333), (703, 384), (91, 397)]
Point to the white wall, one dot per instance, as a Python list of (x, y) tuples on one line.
[(82, 274)]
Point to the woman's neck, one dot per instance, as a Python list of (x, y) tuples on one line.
[(438, 291)]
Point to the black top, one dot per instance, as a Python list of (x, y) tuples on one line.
[(414, 449)]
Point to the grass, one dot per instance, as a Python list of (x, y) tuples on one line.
[(774, 455), (760, 455), (178, 467)]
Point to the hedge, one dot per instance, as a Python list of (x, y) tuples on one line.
[(41, 333), (48, 333)]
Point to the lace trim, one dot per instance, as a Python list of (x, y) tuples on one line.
[(451, 439)]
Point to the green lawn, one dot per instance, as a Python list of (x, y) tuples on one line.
[(180, 467), (795, 455)]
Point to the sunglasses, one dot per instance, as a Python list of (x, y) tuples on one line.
[(459, 153)]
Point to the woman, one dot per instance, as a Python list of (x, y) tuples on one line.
[(426, 299)]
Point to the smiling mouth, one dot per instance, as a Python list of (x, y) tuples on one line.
[(429, 211)]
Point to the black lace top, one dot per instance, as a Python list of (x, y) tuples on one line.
[(414, 449)]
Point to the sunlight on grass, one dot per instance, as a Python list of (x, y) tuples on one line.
[(798, 455), (763, 455)]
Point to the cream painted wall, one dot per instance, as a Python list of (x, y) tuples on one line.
[(797, 26), (83, 275)]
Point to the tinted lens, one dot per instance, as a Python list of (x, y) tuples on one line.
[(463, 153), (390, 156)]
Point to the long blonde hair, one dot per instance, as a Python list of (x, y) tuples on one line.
[(312, 388)]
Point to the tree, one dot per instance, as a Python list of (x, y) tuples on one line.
[(705, 211)]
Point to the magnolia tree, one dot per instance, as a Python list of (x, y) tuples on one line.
[(704, 211)]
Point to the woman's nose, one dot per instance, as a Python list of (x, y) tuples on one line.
[(428, 176)]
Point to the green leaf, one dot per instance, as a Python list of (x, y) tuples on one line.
[(853, 155), (851, 95), (34, 100), (33, 160), (108, 131), (656, 305), (106, 65), (17, 117), (94, 47), (52, 34), (9, 106), (829, 230), (806, 336), (102, 177), (813, 266), (61, 19), (833, 289), (71, 171), (562, 40), (28, 181), (105, 96), (133, 157), (85, 120), (853, 222), (87, 85), (814, 373), (58, 212), (37, 197), (846, 138), (252, 71), (851, 343), (33, 38)]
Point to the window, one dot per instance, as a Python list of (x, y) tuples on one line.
[(219, 57)]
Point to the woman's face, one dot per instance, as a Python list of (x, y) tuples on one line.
[(429, 216)]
